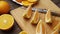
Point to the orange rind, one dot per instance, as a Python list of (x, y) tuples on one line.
[(6, 21)]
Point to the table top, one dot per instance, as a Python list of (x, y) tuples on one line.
[(15, 29)]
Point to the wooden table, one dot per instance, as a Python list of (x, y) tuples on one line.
[(15, 29)]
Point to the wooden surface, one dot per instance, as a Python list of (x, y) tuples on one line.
[(26, 25), (48, 4), (16, 29)]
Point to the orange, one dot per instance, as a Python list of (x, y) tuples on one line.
[(26, 3), (19, 0), (4, 7), (32, 0), (6, 21), (23, 32)]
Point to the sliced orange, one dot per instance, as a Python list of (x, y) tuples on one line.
[(32, 0), (35, 17), (6, 21), (26, 3), (55, 32), (19, 0), (40, 28), (28, 13), (57, 26), (48, 17), (23, 32)]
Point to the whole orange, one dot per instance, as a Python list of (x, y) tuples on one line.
[(4, 7)]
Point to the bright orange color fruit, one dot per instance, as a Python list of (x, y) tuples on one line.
[(6, 21), (4, 7)]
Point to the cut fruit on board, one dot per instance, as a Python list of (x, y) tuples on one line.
[(48, 17), (26, 25), (40, 28), (28, 12), (35, 17)]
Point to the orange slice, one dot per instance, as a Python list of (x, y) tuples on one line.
[(6, 21), (23, 32), (40, 28), (19, 0), (32, 0), (35, 17), (57, 26), (28, 13), (48, 16), (55, 32), (26, 3)]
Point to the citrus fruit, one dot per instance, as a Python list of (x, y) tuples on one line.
[(28, 12), (23, 32), (32, 0), (48, 17), (6, 21), (19, 0), (4, 7), (35, 17), (26, 3)]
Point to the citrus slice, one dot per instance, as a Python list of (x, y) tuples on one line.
[(26, 3), (57, 26), (23, 32), (19, 0), (6, 21), (35, 17), (28, 13), (32, 0), (40, 28), (55, 32), (48, 16)]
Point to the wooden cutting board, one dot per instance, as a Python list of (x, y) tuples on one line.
[(48, 4), (25, 24)]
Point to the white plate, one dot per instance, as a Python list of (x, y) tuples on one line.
[(17, 2)]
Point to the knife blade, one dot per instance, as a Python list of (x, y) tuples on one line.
[(44, 11)]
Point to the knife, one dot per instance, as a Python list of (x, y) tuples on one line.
[(44, 11)]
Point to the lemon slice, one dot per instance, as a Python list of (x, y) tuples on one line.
[(48, 16), (26, 3), (40, 28), (28, 12), (23, 32), (6, 21), (35, 17), (32, 0)]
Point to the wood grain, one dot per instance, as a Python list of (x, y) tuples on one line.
[(26, 25)]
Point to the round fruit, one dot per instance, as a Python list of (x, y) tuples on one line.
[(4, 7), (6, 21)]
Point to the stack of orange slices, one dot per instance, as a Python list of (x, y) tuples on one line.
[(27, 2)]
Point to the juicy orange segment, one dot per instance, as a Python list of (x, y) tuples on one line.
[(32, 0), (23, 32), (28, 13), (19, 0), (35, 17), (26, 3), (48, 16), (6, 21), (40, 28)]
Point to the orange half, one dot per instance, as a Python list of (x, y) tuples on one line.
[(6, 21)]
